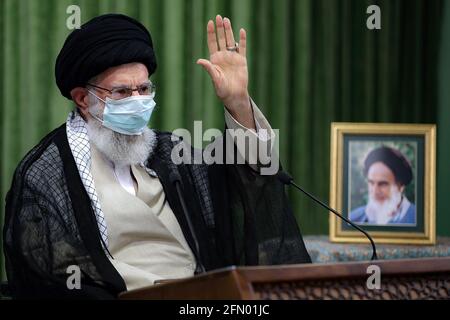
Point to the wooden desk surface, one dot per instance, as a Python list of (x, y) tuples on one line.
[(400, 279)]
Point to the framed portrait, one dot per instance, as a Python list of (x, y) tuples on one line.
[(383, 179)]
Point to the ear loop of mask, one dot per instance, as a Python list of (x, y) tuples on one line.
[(93, 115)]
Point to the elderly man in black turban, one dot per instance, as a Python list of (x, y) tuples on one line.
[(388, 172), (98, 207)]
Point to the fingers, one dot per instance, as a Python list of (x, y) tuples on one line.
[(228, 33), (222, 37), (212, 40), (220, 33), (242, 42), (207, 65)]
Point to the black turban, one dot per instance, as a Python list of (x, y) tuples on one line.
[(393, 159), (105, 41)]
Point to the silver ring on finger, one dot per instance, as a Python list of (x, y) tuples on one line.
[(234, 48)]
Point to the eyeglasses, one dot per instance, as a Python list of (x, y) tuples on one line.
[(118, 93)]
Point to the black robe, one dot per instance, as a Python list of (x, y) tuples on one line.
[(239, 218)]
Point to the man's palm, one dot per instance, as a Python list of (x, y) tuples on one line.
[(227, 69)]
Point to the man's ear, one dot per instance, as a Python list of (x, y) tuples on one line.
[(80, 97), (401, 187)]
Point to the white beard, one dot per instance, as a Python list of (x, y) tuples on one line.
[(381, 212), (119, 148)]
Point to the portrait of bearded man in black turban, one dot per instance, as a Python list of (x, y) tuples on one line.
[(388, 172), (102, 194)]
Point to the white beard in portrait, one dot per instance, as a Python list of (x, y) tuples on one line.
[(381, 212)]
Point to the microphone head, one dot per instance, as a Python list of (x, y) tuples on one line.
[(174, 176), (284, 177)]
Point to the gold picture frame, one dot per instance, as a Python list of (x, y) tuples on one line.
[(355, 147)]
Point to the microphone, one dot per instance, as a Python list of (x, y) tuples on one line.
[(175, 179), (285, 178)]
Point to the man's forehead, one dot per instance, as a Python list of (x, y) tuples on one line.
[(126, 74), (380, 171), (128, 82)]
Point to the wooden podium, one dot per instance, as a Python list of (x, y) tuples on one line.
[(400, 279)]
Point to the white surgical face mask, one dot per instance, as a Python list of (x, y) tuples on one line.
[(127, 116)]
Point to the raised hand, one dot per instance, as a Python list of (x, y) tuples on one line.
[(227, 67)]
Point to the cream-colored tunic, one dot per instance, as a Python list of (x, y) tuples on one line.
[(145, 238)]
